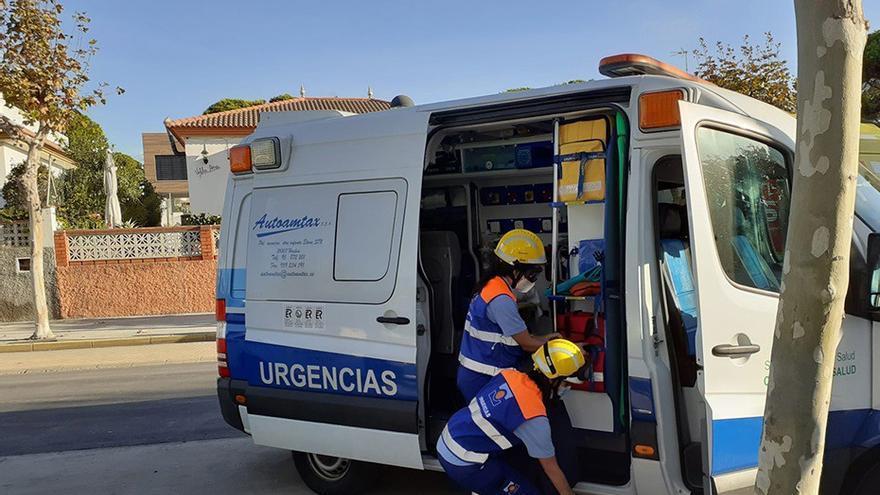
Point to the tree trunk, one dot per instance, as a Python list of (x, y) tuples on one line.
[(831, 38), (42, 330)]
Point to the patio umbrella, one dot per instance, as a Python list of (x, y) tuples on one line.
[(112, 213)]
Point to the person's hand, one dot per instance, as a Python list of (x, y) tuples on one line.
[(554, 335)]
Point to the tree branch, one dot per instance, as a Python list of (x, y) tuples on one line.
[(10, 128)]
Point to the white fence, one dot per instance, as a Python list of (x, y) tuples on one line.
[(15, 234), (134, 244)]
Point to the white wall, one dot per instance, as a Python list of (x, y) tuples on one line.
[(207, 182)]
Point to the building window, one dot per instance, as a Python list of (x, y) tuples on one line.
[(170, 167), (22, 265)]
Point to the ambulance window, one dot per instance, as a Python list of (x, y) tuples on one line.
[(239, 249), (364, 230), (747, 184)]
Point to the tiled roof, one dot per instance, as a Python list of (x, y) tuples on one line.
[(250, 116)]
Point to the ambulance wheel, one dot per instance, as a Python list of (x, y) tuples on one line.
[(868, 482), (327, 475)]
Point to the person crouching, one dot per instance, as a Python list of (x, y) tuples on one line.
[(509, 410)]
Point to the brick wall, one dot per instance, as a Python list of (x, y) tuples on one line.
[(95, 288)]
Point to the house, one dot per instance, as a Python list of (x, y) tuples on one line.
[(198, 147), (165, 168), (14, 151)]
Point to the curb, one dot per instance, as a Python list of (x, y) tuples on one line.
[(99, 343)]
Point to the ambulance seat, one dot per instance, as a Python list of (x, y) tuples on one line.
[(678, 273), (756, 268), (441, 260)]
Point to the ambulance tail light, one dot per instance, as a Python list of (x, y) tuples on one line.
[(222, 367), (659, 110), (220, 314), (220, 310), (240, 159)]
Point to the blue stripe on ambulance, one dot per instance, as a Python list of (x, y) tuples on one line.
[(641, 399), (736, 441), (291, 368)]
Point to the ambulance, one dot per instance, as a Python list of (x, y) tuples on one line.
[(351, 244)]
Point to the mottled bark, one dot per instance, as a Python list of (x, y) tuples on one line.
[(42, 330), (831, 37)]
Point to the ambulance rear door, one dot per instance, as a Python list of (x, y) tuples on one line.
[(737, 178), (331, 302)]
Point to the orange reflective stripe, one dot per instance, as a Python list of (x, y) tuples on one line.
[(494, 288), (526, 393)]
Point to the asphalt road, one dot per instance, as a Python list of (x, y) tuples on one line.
[(152, 429)]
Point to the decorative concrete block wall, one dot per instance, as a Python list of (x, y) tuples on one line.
[(134, 272)]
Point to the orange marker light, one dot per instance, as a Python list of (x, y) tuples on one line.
[(240, 399), (644, 451), (660, 110), (240, 159)]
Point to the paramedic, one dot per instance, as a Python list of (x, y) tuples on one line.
[(495, 336), (509, 410)]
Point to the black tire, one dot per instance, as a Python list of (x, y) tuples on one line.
[(869, 482), (327, 475)]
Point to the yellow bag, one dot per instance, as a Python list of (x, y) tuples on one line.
[(581, 180)]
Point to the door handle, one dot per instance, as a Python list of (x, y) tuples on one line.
[(393, 320), (735, 351)]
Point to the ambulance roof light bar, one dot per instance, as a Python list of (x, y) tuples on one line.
[(634, 64)]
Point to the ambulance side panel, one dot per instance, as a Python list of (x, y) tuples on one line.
[(330, 346)]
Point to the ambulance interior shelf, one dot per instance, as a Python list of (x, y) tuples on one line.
[(579, 197)]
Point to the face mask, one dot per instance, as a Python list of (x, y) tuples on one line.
[(524, 285)]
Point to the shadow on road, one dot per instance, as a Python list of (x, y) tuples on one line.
[(112, 425)]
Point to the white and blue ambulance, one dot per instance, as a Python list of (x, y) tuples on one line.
[(351, 243)]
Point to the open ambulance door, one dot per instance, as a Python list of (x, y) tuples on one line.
[(737, 181), (331, 303)]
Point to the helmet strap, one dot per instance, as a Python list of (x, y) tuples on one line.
[(550, 366)]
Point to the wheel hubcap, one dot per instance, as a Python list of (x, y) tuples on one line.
[(329, 468)]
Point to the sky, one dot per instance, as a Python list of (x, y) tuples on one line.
[(174, 58)]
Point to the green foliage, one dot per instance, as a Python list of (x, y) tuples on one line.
[(231, 104), (86, 143), (282, 97), (81, 190), (754, 69), (871, 79), (129, 176), (200, 219), (14, 194), (146, 210), (81, 198)]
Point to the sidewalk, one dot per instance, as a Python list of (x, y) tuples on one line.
[(110, 332)]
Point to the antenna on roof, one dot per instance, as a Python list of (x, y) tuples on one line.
[(684, 53), (302, 91), (370, 92)]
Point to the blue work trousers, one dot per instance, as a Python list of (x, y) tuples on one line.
[(494, 477), (470, 382)]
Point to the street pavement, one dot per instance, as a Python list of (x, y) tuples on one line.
[(143, 429), (65, 360), (105, 328)]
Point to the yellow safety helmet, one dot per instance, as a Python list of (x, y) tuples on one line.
[(521, 246), (558, 358)]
